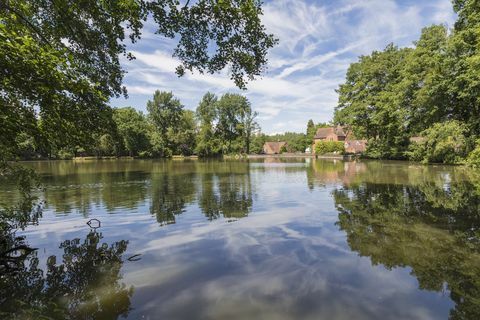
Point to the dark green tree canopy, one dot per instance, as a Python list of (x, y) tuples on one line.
[(60, 59)]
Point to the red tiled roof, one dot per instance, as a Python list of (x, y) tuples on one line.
[(272, 147), (355, 146), (322, 133)]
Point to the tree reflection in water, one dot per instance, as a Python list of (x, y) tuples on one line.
[(86, 285), (431, 228), (221, 189)]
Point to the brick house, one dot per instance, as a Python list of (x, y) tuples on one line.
[(330, 134), (339, 133)]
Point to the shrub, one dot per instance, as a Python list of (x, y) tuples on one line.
[(322, 147), (387, 149), (65, 154), (474, 156), (444, 143)]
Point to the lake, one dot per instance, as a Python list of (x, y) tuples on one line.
[(259, 239)]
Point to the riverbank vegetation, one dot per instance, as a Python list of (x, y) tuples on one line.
[(219, 126), (429, 91)]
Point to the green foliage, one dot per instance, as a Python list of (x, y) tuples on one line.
[(132, 130), (443, 143), (61, 59), (107, 145), (381, 149), (367, 101), (323, 147), (65, 154), (183, 137), (206, 113), (473, 158), (257, 143), (235, 123), (392, 95), (165, 114)]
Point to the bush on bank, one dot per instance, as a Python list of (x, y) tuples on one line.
[(443, 142), (473, 158), (323, 147)]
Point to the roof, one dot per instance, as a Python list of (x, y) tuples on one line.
[(273, 146), (355, 146), (322, 133)]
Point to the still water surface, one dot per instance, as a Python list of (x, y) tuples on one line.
[(262, 239)]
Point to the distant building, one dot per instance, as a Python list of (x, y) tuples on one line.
[(330, 134), (339, 133), (271, 147), (355, 146)]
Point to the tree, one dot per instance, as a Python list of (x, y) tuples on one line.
[(443, 142), (368, 101), (107, 145), (132, 129), (164, 113), (258, 141), (473, 158), (311, 130), (463, 65), (61, 59), (236, 123), (422, 91), (183, 137), (249, 127), (206, 114)]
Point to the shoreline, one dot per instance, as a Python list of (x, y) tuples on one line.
[(301, 155)]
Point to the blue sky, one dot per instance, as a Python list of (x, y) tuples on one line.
[(318, 41)]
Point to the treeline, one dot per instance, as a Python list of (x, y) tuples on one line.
[(219, 126), (430, 92)]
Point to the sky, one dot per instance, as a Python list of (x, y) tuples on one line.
[(318, 40)]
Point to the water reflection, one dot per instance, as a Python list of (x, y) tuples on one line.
[(431, 227), (312, 239), (221, 188), (85, 285)]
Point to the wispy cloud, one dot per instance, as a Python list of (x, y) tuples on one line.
[(318, 41)]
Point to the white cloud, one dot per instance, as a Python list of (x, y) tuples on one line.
[(318, 41)]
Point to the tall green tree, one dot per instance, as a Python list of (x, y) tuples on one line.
[(164, 113), (206, 114), (368, 101), (183, 137), (311, 129), (236, 123), (132, 130), (463, 64), (423, 90)]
